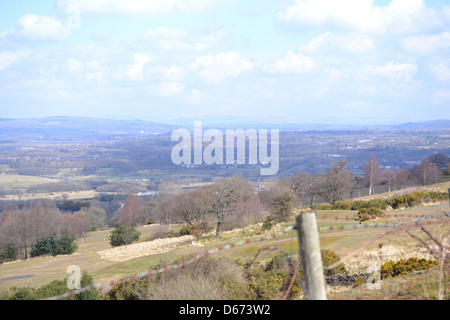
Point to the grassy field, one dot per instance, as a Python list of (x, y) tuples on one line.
[(19, 183), (352, 244), (442, 186)]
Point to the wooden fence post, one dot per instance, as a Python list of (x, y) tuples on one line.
[(310, 255)]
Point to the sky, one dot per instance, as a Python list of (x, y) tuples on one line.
[(267, 61)]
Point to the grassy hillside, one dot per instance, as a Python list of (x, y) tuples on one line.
[(356, 245)]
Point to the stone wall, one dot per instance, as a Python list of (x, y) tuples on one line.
[(344, 279)]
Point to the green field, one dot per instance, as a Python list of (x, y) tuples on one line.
[(19, 184)]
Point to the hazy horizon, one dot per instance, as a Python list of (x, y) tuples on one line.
[(237, 121), (370, 62)]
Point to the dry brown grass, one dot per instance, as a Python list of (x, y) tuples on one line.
[(140, 249)]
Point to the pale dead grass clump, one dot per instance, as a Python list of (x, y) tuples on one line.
[(378, 257), (140, 249), (202, 280)]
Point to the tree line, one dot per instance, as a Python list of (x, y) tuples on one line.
[(40, 223), (228, 202)]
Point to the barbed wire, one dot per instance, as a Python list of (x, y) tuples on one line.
[(396, 226), (174, 266)]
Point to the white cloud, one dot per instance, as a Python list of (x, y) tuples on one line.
[(134, 70), (359, 15), (167, 88), (136, 7), (95, 72), (175, 39), (217, 68), (8, 58), (442, 70), (195, 97), (172, 73), (45, 28), (403, 71), (425, 45), (164, 32), (74, 65), (352, 43), (291, 63)]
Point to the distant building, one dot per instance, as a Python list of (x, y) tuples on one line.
[(149, 193)]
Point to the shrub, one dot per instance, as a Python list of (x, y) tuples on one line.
[(366, 214), (281, 206), (359, 204), (392, 269), (342, 205), (54, 288), (269, 282), (123, 235), (207, 279), (53, 246), (8, 252), (268, 223), (173, 233), (198, 230), (186, 230), (323, 206), (377, 203), (329, 257), (359, 281)]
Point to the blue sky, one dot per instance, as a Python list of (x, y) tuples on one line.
[(317, 61)]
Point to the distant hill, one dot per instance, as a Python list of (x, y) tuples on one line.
[(433, 124), (67, 127), (236, 122)]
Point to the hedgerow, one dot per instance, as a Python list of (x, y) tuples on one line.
[(54, 288), (407, 200)]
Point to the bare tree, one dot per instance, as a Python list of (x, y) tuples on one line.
[(336, 183), (228, 197), (426, 172), (372, 173), (389, 178), (300, 184), (166, 210), (401, 178), (132, 213), (193, 205), (76, 224), (23, 228)]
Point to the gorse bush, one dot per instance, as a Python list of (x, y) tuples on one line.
[(367, 213), (270, 281), (392, 269), (407, 200), (329, 257)]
